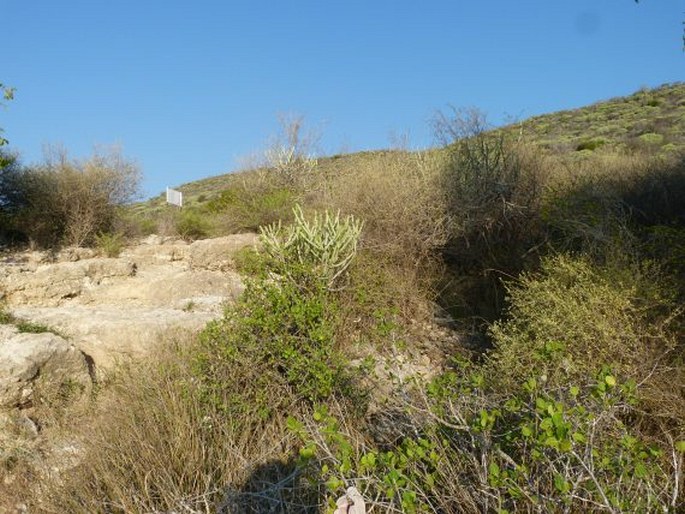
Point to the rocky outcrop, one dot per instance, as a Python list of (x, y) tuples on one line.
[(31, 362), (206, 254), (115, 308), (51, 284)]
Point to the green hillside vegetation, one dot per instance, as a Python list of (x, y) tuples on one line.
[(533, 275), (649, 119)]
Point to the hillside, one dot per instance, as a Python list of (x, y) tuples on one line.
[(651, 120), (492, 326)]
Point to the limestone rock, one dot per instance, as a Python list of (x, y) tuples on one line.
[(217, 254), (50, 284), (116, 308), (31, 360), (151, 254), (111, 334)]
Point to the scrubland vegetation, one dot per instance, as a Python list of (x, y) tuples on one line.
[(65, 201), (560, 269)]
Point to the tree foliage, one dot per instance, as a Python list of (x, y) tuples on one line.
[(7, 94)]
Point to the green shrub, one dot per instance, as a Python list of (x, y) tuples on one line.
[(397, 479), (572, 315), (291, 153), (276, 338), (592, 145), (6, 318), (470, 447), (548, 446), (650, 138), (281, 333), (110, 244), (143, 226), (191, 224), (248, 204), (249, 261)]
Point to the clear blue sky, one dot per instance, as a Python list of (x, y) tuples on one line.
[(188, 88)]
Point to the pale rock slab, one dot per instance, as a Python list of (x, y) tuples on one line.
[(27, 360)]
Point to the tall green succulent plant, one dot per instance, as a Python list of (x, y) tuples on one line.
[(325, 245)]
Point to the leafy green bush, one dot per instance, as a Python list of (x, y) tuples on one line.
[(650, 138), (549, 446), (191, 224), (471, 448), (592, 144), (247, 206), (110, 244), (276, 338), (281, 333)]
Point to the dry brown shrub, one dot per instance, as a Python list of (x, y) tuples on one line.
[(66, 201), (398, 196)]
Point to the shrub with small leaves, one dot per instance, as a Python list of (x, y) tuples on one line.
[(550, 447), (573, 314), (402, 477), (278, 338)]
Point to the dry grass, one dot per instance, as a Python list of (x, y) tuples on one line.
[(149, 445), (406, 223), (399, 197)]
